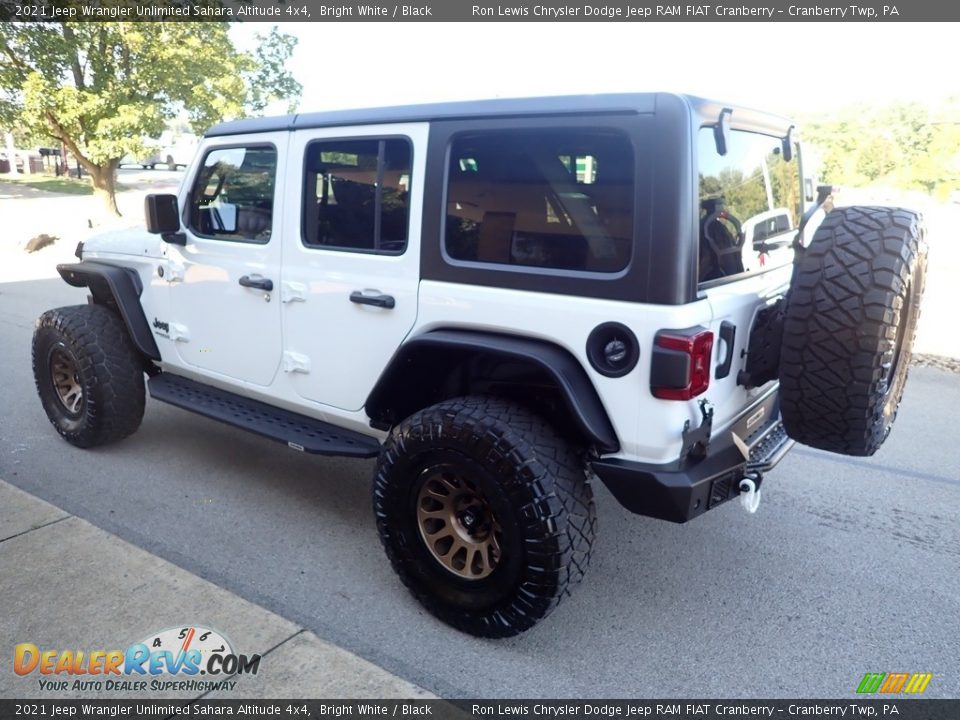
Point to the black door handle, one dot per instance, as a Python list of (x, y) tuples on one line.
[(257, 282), (728, 333), (384, 301)]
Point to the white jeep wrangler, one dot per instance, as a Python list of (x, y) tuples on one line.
[(501, 301)]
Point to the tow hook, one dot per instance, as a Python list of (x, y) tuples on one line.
[(750, 491)]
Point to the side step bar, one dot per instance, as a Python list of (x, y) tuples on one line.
[(296, 431)]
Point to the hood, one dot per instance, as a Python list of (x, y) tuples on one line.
[(128, 241)]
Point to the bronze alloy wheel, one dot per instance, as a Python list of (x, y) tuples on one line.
[(457, 524), (902, 349), (485, 513), (66, 380)]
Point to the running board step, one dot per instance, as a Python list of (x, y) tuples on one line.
[(297, 431)]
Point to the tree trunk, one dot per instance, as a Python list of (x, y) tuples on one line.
[(104, 186)]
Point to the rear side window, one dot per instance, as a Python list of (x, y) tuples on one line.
[(749, 205), (232, 196), (358, 195), (556, 199)]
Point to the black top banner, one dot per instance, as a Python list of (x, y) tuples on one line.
[(476, 11)]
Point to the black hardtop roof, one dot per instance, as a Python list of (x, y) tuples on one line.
[(613, 103)]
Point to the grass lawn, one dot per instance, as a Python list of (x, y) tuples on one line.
[(68, 186)]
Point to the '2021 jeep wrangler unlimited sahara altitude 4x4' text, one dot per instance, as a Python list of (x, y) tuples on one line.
[(501, 301)]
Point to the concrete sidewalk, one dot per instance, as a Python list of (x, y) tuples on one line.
[(67, 585)]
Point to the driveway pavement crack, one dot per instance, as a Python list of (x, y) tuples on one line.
[(38, 527)]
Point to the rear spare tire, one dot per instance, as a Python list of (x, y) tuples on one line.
[(850, 320)]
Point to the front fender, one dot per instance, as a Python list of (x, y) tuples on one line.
[(119, 288)]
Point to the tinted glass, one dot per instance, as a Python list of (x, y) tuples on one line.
[(551, 199), (232, 196), (357, 195), (749, 205)]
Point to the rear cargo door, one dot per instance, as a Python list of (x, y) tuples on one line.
[(750, 204)]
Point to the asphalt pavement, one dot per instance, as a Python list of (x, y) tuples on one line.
[(849, 566)]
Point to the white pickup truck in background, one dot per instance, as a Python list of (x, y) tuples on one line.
[(175, 152)]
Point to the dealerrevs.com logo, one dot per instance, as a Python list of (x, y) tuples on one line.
[(170, 660)]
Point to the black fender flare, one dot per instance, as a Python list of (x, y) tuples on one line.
[(119, 288), (394, 395)]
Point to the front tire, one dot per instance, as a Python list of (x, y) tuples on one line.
[(485, 514), (88, 375)]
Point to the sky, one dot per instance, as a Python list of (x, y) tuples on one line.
[(787, 68)]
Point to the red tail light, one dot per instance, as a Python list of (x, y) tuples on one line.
[(681, 363)]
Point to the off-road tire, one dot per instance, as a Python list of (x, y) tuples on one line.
[(108, 370), (537, 488), (850, 321)]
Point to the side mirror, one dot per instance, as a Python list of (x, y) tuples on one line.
[(163, 218), (787, 145), (721, 131)]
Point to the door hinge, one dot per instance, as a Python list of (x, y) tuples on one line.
[(293, 292), (170, 271), (296, 362), (179, 333)]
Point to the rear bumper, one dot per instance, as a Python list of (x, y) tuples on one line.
[(683, 490)]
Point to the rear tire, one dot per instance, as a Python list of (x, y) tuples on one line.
[(485, 514), (850, 321), (88, 374)]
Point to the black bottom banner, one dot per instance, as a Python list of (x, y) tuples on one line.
[(894, 708)]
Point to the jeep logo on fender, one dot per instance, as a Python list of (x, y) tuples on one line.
[(161, 326)]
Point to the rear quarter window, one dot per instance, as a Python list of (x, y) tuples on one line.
[(558, 199)]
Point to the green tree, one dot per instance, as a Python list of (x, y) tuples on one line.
[(901, 144), (878, 156), (939, 169), (785, 184), (100, 88)]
